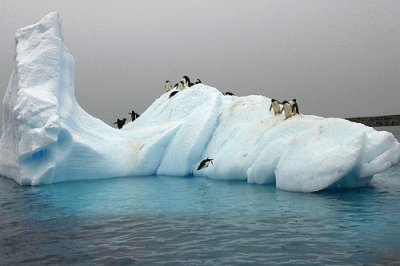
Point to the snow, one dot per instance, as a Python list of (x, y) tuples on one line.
[(47, 137)]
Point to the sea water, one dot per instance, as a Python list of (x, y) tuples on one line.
[(198, 221)]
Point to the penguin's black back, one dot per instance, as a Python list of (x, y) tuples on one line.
[(173, 93)]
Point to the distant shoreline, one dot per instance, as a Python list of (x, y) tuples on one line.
[(377, 121)]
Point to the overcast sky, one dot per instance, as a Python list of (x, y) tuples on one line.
[(337, 58)]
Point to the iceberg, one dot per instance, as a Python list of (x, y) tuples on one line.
[(47, 137)]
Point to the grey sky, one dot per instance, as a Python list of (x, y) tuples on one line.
[(337, 58)]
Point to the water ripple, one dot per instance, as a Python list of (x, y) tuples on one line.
[(195, 221)]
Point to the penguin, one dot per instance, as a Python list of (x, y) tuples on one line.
[(288, 109), (120, 122), (198, 81), (168, 86), (134, 115), (229, 93), (205, 163), (295, 107), (172, 94), (275, 105), (181, 85), (188, 83)]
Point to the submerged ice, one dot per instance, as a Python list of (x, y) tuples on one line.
[(47, 137)]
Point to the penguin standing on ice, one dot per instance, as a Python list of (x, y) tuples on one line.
[(188, 83), (288, 109), (205, 163), (168, 86), (134, 115), (120, 122), (275, 106), (295, 107), (181, 85)]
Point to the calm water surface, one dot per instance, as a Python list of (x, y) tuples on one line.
[(198, 221)]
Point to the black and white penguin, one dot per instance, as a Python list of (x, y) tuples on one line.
[(295, 107), (229, 93), (168, 86), (288, 109), (275, 106), (134, 115), (205, 163), (120, 122), (188, 83), (181, 85), (172, 94)]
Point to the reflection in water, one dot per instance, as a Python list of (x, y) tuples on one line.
[(198, 221)]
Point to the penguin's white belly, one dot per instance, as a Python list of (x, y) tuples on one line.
[(288, 110), (276, 108)]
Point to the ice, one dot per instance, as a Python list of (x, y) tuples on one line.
[(47, 137)]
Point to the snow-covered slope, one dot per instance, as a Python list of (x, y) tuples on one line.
[(48, 138)]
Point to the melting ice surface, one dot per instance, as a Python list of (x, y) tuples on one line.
[(47, 137)]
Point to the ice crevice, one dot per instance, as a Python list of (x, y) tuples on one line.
[(47, 137)]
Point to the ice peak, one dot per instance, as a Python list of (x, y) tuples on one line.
[(49, 25), (31, 104)]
